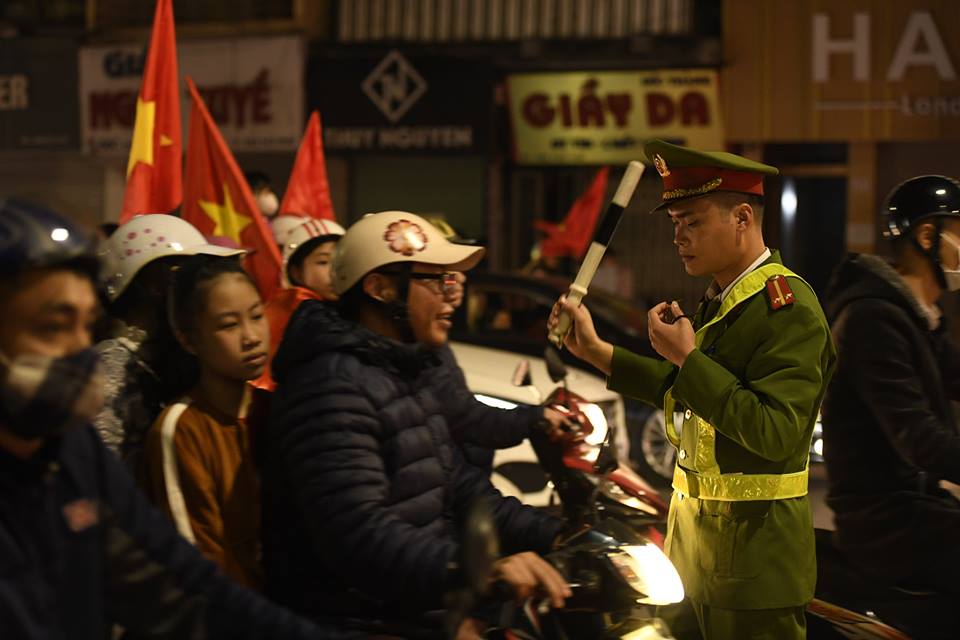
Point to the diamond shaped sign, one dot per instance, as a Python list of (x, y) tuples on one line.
[(394, 86)]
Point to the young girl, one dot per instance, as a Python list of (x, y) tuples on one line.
[(199, 461)]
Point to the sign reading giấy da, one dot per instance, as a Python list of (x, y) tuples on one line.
[(604, 117)]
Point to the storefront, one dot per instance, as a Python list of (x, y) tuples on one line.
[(849, 98), (404, 130)]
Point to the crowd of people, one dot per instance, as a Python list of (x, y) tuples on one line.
[(184, 459)]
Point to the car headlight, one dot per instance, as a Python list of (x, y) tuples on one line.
[(650, 573)]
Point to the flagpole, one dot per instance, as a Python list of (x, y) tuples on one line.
[(601, 240)]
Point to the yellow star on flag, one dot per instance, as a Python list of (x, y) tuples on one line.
[(230, 224), (141, 146)]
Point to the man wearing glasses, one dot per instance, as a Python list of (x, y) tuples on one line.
[(365, 490)]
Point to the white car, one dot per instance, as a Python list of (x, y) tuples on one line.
[(489, 375)]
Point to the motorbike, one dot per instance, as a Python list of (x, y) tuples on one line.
[(589, 481), (612, 559)]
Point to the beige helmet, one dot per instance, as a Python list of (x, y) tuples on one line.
[(147, 238), (308, 229), (388, 237)]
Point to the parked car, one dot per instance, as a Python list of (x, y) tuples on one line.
[(516, 471), (509, 311)]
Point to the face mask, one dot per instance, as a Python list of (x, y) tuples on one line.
[(268, 202), (42, 396), (952, 275)]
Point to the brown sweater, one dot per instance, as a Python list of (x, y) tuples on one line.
[(200, 470)]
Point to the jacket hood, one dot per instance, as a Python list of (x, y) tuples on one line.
[(863, 276), (318, 328)]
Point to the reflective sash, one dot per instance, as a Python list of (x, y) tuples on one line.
[(707, 482)]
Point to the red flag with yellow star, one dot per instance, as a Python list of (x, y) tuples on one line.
[(308, 192), (153, 169), (218, 201)]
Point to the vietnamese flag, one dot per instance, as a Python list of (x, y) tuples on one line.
[(308, 192), (572, 236), (217, 199), (153, 169)]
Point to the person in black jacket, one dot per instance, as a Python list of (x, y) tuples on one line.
[(889, 431), (478, 428), (80, 547), (365, 492)]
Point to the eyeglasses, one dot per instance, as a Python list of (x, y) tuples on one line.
[(446, 282)]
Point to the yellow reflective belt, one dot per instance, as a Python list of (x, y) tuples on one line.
[(709, 483), (735, 487)]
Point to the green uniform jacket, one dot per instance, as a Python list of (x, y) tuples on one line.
[(758, 377)]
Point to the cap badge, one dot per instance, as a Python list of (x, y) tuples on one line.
[(405, 237), (661, 165)]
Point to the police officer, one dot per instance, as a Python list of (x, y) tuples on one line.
[(80, 547), (890, 432), (740, 384)]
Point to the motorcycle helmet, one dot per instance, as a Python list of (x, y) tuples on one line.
[(392, 237), (918, 199), (32, 237), (282, 225), (147, 238), (302, 239), (923, 198)]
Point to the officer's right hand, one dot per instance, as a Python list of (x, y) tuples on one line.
[(530, 575), (582, 339)]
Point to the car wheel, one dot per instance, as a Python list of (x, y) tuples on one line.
[(655, 456)]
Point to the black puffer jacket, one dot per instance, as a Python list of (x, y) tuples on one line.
[(888, 428), (364, 489), (479, 429)]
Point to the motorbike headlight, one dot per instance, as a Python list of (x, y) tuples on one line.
[(649, 572), (595, 415)]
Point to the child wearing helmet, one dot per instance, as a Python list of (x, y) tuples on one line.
[(307, 251), (198, 461), (362, 480), (141, 375), (82, 546)]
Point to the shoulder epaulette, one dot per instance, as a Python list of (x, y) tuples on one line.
[(779, 293)]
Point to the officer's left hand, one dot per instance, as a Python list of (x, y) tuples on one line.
[(671, 332)]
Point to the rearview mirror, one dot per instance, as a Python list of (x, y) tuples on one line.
[(556, 368), (521, 375)]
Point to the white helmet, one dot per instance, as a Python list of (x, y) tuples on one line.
[(283, 224), (307, 230), (389, 237), (147, 238)]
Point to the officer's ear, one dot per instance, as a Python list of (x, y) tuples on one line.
[(379, 287), (926, 235), (743, 216)]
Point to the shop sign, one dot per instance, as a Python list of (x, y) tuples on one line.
[(252, 86), (604, 117)]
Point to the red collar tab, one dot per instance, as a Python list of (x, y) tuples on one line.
[(779, 293)]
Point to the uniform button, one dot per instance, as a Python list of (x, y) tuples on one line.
[(687, 414), (683, 454)]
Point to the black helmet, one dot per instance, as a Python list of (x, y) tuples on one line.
[(917, 199), (35, 238)]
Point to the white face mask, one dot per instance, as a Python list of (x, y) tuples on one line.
[(952, 275), (268, 202)]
